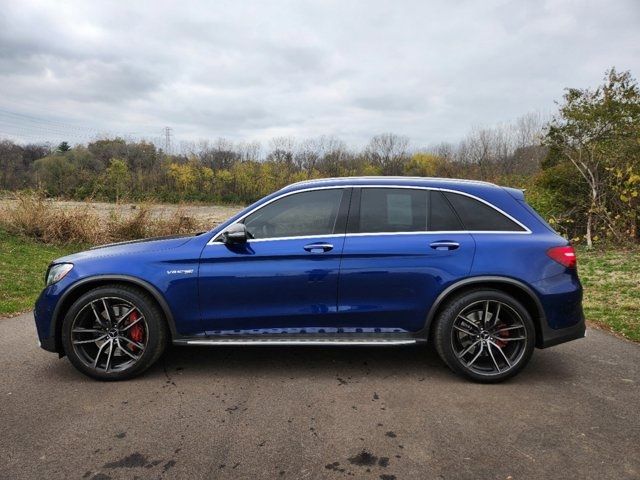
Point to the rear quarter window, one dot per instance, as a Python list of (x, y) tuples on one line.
[(478, 216)]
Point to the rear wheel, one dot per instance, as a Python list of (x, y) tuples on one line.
[(114, 332), (485, 335)]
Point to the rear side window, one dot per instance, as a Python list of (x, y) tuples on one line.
[(297, 215), (393, 210), (479, 216)]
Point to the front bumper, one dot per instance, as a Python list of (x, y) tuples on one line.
[(43, 313)]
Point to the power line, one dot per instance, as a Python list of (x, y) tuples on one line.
[(27, 126)]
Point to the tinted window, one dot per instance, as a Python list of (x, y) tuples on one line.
[(476, 215), (300, 214), (393, 210), (441, 215)]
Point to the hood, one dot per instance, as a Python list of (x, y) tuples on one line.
[(129, 247)]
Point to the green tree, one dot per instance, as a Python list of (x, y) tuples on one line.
[(117, 177), (598, 132), (54, 173), (64, 147)]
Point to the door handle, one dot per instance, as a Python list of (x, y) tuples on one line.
[(444, 245), (318, 247)]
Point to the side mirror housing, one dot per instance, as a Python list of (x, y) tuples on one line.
[(236, 233)]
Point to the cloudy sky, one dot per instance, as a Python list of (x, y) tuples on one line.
[(245, 70)]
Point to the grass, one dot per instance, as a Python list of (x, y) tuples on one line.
[(22, 266), (611, 281)]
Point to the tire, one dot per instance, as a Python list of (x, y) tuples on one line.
[(485, 352), (114, 332)]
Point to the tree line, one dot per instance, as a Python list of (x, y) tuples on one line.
[(581, 168)]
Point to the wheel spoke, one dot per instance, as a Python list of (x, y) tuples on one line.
[(133, 342), (468, 349), (131, 324), (469, 322), (485, 315), (86, 330), (98, 317), (477, 355), (106, 309), (505, 329), (95, 362), (501, 352), (493, 358), (464, 330), (94, 340), (496, 316), (125, 315), (106, 368), (509, 339), (127, 352)]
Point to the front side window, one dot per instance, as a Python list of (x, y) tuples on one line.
[(393, 210), (297, 215)]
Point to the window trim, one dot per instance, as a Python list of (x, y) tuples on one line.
[(526, 230)]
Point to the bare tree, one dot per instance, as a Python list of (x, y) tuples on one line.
[(282, 150), (388, 151)]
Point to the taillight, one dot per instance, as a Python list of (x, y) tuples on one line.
[(563, 255)]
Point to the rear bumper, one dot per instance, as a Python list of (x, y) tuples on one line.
[(553, 336), (49, 344)]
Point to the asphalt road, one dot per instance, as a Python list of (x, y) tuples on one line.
[(271, 412)]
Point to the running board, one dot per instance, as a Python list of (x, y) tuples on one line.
[(297, 341)]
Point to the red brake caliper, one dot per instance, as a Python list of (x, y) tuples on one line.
[(136, 333)]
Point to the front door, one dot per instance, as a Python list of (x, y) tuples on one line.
[(285, 279)]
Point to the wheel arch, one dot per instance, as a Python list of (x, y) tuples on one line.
[(82, 286), (519, 290)]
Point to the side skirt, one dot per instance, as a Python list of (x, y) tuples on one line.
[(307, 340)]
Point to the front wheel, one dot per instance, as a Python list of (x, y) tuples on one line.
[(485, 335), (114, 332)]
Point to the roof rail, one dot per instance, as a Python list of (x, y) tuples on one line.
[(382, 177)]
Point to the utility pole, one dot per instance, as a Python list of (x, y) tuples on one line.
[(167, 139)]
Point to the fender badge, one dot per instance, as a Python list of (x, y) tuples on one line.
[(178, 272)]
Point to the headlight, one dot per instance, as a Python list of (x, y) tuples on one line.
[(57, 272)]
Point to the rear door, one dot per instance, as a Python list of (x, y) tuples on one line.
[(403, 247)]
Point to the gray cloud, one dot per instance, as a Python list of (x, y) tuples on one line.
[(252, 70)]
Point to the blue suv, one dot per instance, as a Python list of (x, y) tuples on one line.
[(381, 261)]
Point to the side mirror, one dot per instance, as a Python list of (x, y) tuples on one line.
[(236, 233)]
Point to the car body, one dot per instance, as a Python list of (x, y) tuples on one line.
[(347, 261)]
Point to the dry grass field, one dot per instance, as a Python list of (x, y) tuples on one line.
[(203, 214)]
